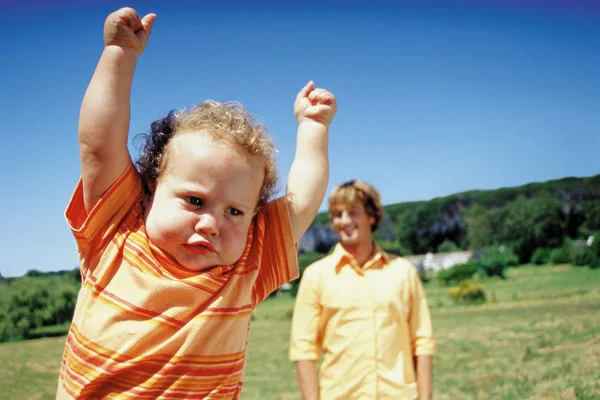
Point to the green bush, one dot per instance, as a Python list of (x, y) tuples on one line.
[(34, 273), (512, 260), (562, 255), (457, 273), (595, 250), (7, 330), (49, 331), (467, 291), (541, 256), (76, 274), (494, 260), (30, 308), (393, 247), (448, 246), (584, 256), (34, 303), (423, 275)]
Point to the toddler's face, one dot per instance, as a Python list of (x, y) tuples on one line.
[(204, 201)]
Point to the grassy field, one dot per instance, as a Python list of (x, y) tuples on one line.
[(537, 337)]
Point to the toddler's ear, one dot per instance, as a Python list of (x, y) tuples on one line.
[(147, 202), (149, 189)]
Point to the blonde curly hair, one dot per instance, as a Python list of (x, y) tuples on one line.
[(228, 121)]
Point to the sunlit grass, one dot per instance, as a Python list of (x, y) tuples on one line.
[(537, 338)]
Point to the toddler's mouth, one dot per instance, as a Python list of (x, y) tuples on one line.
[(200, 247)]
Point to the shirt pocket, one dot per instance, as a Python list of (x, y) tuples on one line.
[(390, 298), (334, 299), (347, 296)]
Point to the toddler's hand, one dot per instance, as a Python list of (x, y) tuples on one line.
[(315, 104), (125, 29)]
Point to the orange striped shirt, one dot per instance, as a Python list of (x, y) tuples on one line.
[(146, 328)]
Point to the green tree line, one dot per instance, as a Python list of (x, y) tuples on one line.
[(35, 302), (525, 218), (533, 222)]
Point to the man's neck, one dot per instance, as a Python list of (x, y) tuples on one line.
[(361, 252)]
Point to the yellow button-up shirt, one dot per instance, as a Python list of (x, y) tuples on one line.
[(368, 322)]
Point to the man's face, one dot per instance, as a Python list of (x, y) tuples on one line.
[(352, 224)]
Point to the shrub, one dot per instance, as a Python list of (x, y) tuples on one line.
[(30, 308), (423, 275), (584, 256), (541, 256), (34, 273), (393, 247), (467, 291), (36, 303), (457, 273), (448, 246), (76, 274), (512, 260), (561, 255), (8, 331), (49, 331), (495, 260), (595, 250)]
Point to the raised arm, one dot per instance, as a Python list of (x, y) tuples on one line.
[(104, 115), (309, 175)]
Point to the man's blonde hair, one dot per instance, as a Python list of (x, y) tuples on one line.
[(354, 192), (228, 121)]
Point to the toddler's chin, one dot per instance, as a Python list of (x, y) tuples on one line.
[(197, 266)]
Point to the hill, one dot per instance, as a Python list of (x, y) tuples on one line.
[(540, 214)]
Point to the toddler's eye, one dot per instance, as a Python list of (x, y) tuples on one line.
[(234, 211), (195, 201)]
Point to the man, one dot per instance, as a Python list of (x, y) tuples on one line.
[(365, 310)]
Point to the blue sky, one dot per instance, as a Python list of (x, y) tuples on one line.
[(432, 100)]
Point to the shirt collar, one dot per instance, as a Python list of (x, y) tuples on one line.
[(342, 258)]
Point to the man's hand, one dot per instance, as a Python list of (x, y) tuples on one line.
[(315, 104), (125, 29)]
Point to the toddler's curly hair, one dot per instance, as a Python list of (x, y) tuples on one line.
[(228, 121)]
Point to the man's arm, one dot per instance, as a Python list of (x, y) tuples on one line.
[(305, 346), (306, 370), (421, 329), (424, 370), (105, 110), (309, 175)]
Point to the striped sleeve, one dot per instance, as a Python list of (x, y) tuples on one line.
[(92, 231), (279, 261)]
